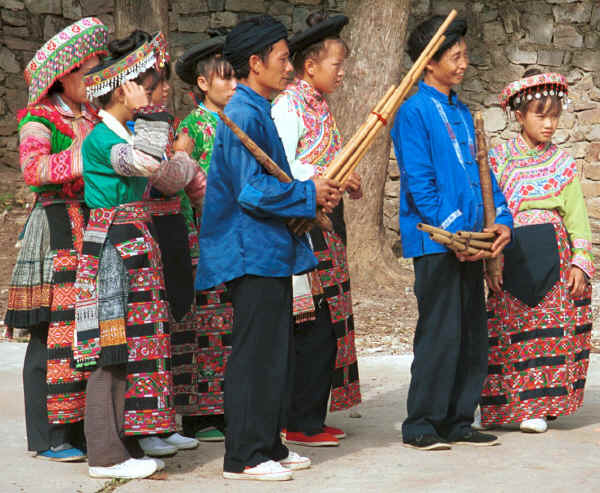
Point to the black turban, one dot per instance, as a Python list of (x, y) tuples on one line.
[(328, 28), (186, 65), (424, 32), (251, 37)]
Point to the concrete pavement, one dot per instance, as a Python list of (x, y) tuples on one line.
[(371, 458)]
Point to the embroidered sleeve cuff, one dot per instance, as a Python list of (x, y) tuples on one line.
[(583, 259), (151, 137), (175, 174)]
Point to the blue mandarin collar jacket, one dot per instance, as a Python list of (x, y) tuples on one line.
[(434, 141), (245, 210)]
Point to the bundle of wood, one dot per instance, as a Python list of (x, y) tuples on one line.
[(468, 242), (345, 162)]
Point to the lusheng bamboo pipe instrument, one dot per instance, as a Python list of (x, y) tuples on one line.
[(321, 219), (355, 149), (493, 265), (460, 243)]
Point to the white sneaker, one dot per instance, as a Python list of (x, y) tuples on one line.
[(156, 447), (160, 464), (181, 442), (476, 425), (265, 471), (130, 469), (295, 462), (535, 425)]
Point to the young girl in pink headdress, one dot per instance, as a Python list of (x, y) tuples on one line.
[(540, 308)]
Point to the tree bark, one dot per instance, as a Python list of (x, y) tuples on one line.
[(148, 15), (375, 35)]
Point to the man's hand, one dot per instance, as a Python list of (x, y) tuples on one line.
[(576, 282), (503, 238), (353, 186), (183, 143), (328, 193), (465, 257), (135, 96)]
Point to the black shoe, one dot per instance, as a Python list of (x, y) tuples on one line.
[(428, 442), (477, 439)]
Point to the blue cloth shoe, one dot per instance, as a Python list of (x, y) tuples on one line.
[(63, 453)]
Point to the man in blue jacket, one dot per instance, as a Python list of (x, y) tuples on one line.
[(434, 140), (244, 241)]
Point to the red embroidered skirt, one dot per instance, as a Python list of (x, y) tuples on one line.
[(538, 357)]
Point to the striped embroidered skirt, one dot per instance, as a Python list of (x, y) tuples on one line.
[(335, 280), (538, 355), (121, 257), (42, 292)]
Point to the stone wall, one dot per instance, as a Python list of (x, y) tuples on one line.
[(505, 38)]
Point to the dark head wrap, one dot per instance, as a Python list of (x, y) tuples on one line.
[(328, 28), (425, 31), (186, 65), (250, 37)]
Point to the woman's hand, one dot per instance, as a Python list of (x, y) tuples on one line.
[(183, 143), (577, 282), (135, 96), (494, 282)]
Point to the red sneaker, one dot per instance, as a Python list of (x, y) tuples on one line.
[(336, 432), (318, 440)]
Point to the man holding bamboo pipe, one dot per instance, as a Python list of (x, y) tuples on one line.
[(434, 140), (245, 242)]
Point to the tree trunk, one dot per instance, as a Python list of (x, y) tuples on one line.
[(147, 15), (376, 37)]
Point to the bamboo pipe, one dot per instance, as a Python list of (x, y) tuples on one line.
[(398, 96), (395, 95), (456, 246), (493, 266), (475, 235), (432, 230), (321, 219), (358, 136)]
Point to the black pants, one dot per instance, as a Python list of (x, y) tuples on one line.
[(41, 435), (316, 348), (259, 371), (450, 347)]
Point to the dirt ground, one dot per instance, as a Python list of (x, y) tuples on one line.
[(384, 319)]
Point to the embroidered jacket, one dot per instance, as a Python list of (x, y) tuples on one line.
[(201, 126), (434, 141), (50, 139), (245, 209), (308, 131), (545, 178)]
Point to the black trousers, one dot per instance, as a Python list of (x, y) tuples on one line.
[(316, 348), (41, 435), (450, 347), (259, 371)]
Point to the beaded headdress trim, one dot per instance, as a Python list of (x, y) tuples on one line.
[(536, 86)]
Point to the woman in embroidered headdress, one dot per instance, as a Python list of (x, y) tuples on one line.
[(540, 310), (200, 396), (171, 209), (121, 311), (41, 295), (324, 329)]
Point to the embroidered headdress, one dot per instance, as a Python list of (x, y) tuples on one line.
[(114, 72), (535, 86), (64, 52)]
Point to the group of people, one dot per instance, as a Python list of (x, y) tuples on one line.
[(159, 274)]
